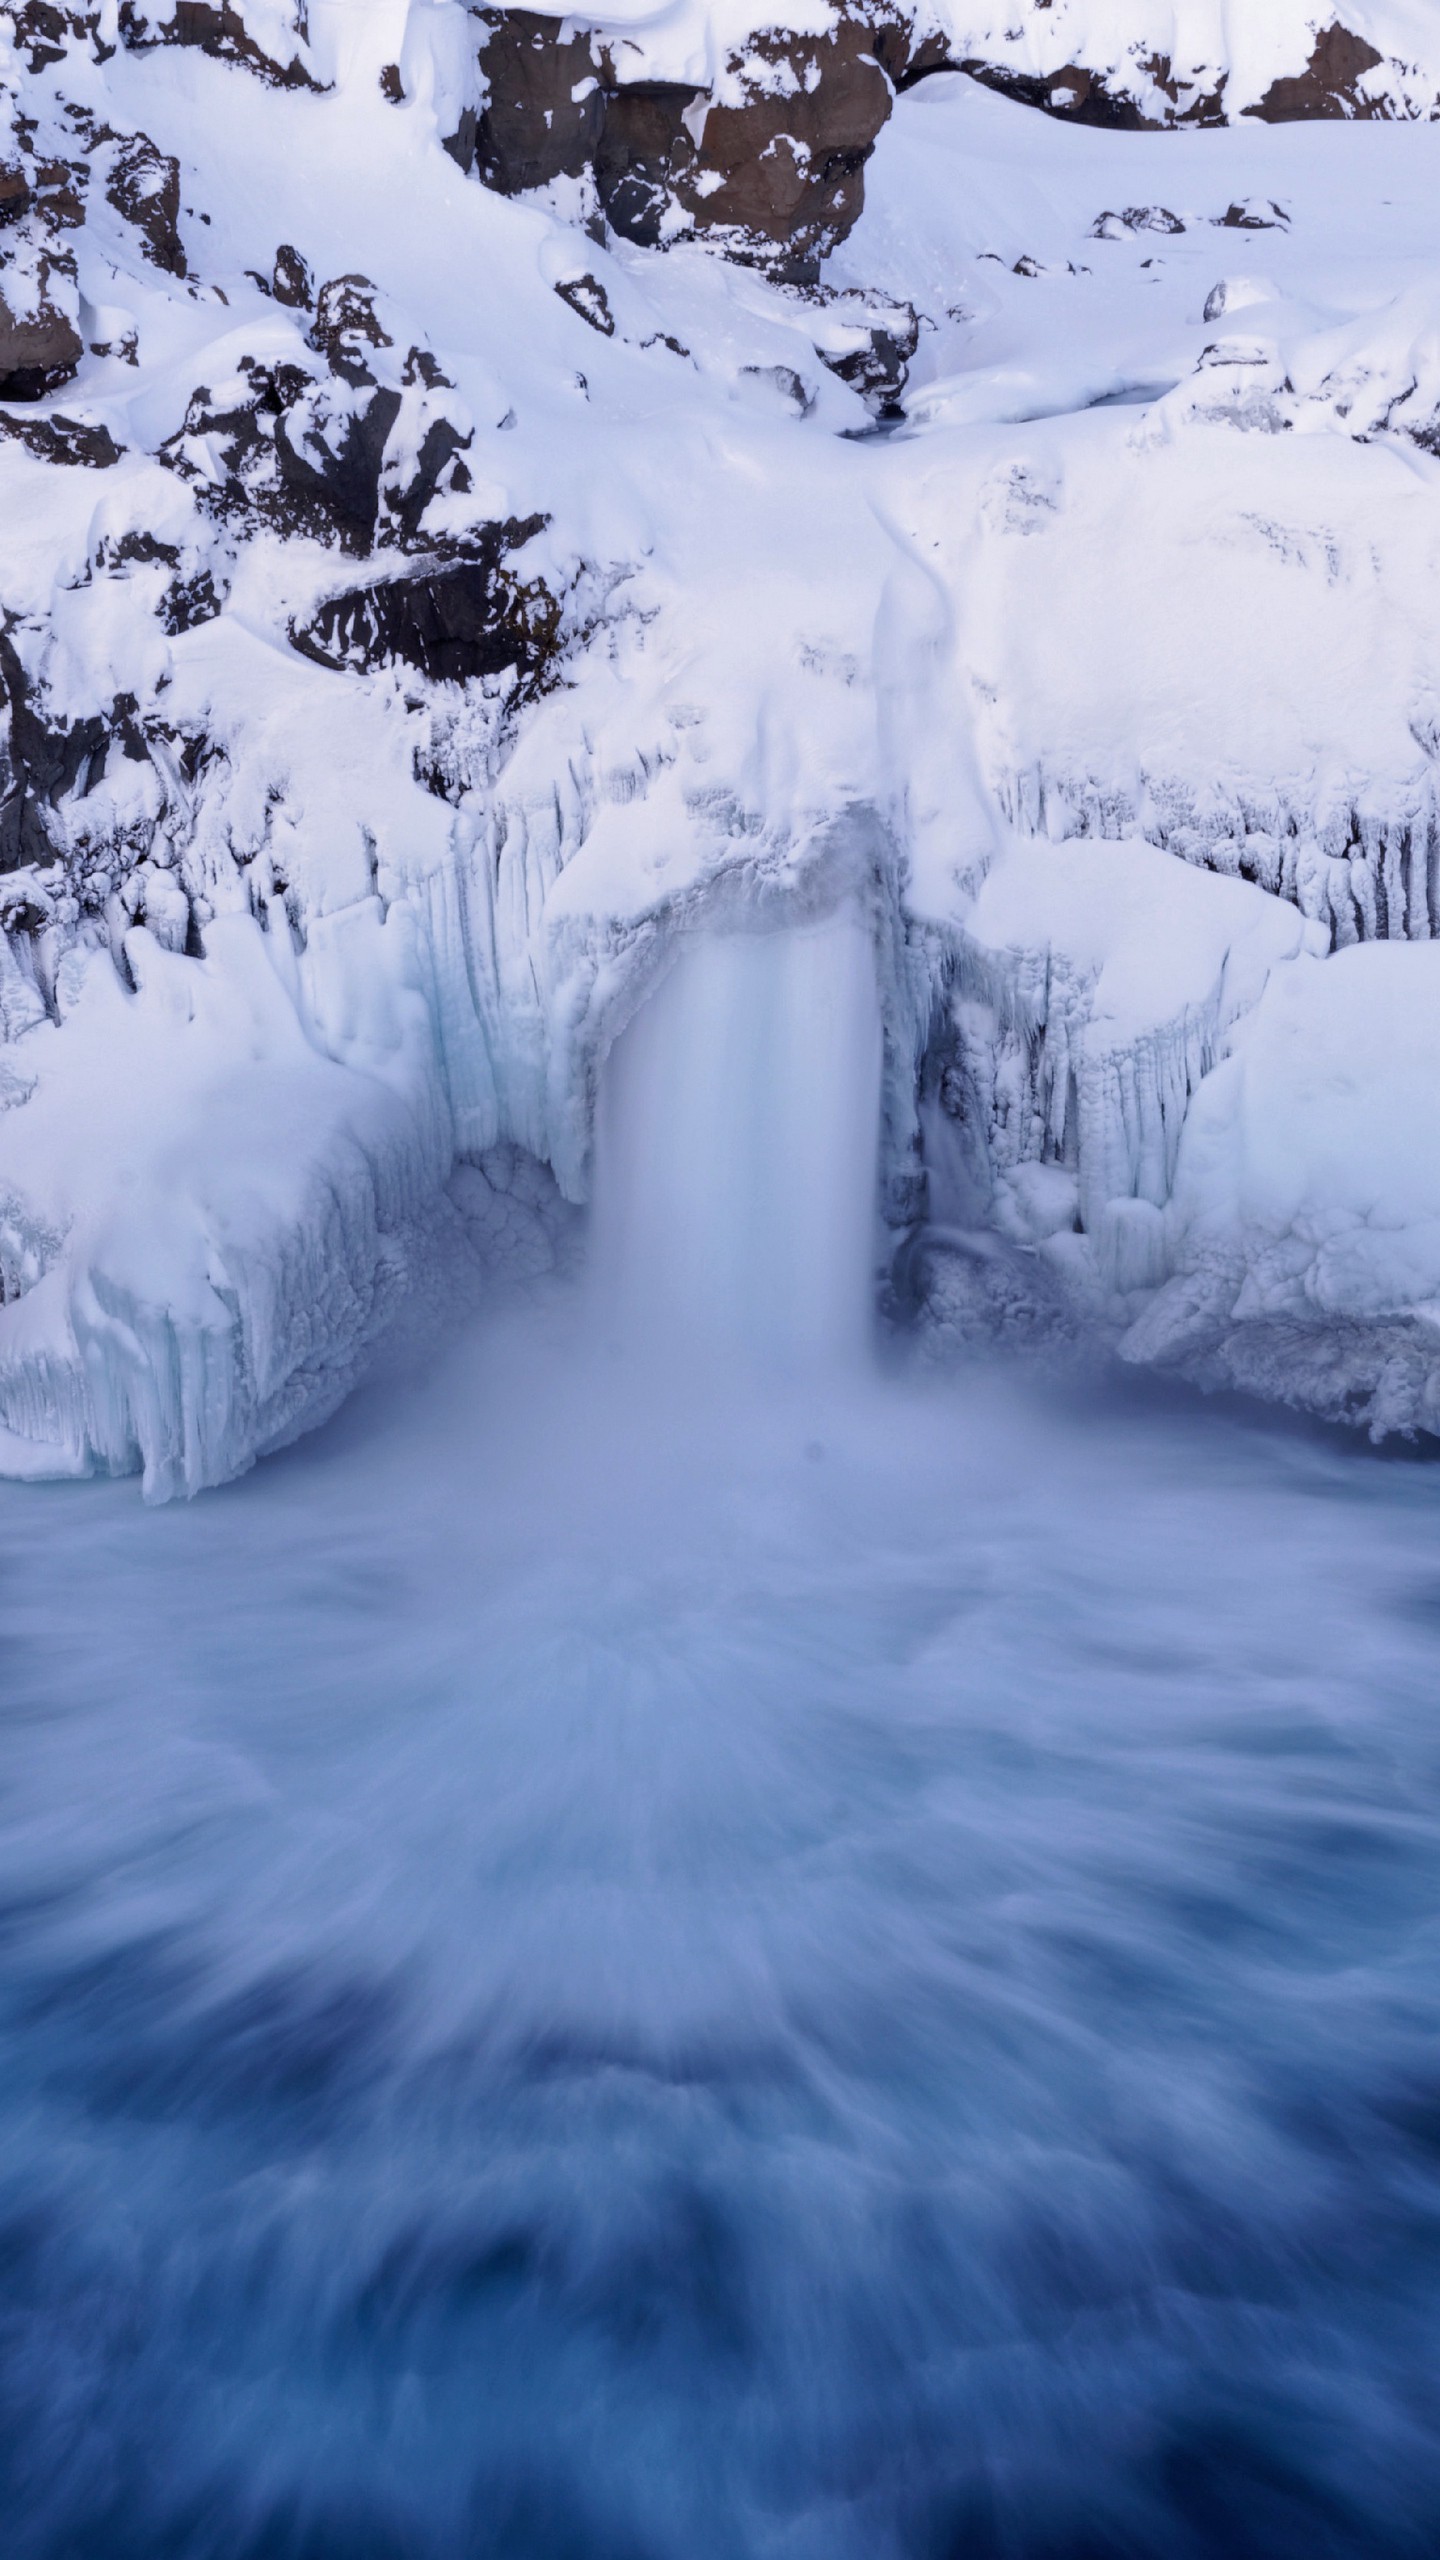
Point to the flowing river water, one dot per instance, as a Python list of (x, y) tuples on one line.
[(721, 1963)]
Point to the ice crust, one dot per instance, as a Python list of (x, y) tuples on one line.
[(1104, 690)]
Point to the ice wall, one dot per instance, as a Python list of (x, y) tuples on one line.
[(213, 1197)]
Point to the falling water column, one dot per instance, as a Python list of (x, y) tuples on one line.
[(737, 1151)]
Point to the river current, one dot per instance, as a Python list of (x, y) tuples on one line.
[(847, 1973)]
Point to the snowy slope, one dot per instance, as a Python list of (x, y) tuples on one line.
[(419, 612)]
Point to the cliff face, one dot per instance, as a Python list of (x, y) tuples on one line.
[(763, 148), (485, 498), (713, 122), (770, 168)]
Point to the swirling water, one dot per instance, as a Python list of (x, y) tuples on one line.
[(662, 1948), (852, 1975)]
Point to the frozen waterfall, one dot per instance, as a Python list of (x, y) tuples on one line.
[(737, 1147)]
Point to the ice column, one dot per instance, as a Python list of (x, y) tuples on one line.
[(737, 1151)]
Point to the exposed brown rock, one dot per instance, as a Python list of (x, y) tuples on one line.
[(39, 350), (188, 600), (1257, 213), (791, 164), (214, 26), (143, 185), (59, 193), (1327, 85), (309, 454), (777, 175), (1136, 217), (330, 452), (1192, 104), (44, 31), (14, 194), (297, 453), (883, 338), (461, 144), (40, 34), (906, 58), (42, 761), (646, 149)]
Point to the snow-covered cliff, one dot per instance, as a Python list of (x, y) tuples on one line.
[(483, 497)]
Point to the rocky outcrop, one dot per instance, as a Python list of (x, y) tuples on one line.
[(546, 107), (44, 760), (291, 282), (143, 187), (768, 161), (39, 347), (1329, 85), (353, 453), (41, 201), (451, 620), (44, 32), (1155, 97), (769, 165), (869, 343), (1148, 89), (81, 442), (40, 343), (218, 27)]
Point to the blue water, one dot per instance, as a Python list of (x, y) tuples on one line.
[(593, 1977)]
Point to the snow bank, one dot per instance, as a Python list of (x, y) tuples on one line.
[(1190, 566), (203, 1214), (1305, 1222)]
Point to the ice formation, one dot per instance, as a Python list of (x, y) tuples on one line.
[(500, 514)]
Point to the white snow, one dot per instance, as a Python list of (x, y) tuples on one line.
[(202, 1213), (1098, 984)]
